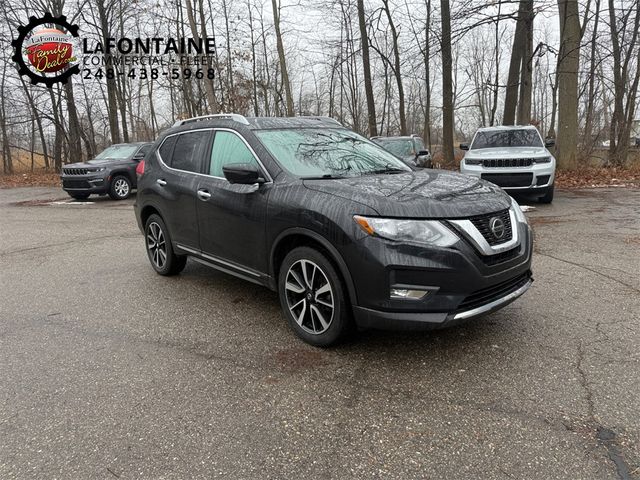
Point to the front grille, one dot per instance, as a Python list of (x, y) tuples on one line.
[(483, 224), (75, 171), (67, 183), (508, 162), (509, 179), (488, 295)]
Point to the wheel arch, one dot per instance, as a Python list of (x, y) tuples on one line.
[(296, 237)]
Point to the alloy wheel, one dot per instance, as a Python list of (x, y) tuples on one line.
[(121, 187), (309, 297), (156, 245)]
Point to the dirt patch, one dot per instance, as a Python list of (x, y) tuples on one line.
[(33, 179), (633, 240), (38, 203), (545, 220)]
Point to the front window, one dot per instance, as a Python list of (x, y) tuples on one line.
[(117, 152), (507, 138), (328, 152), (400, 148)]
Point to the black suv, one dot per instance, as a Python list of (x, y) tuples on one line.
[(410, 149), (113, 171), (342, 229)]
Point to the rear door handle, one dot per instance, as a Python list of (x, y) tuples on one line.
[(161, 182), (203, 195)]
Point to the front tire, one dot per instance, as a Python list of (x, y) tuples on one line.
[(313, 298), (548, 196), (160, 249), (120, 187)]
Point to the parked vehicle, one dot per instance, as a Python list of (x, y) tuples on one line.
[(343, 230), (112, 171), (514, 158), (410, 149)]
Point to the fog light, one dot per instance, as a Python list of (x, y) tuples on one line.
[(405, 293)]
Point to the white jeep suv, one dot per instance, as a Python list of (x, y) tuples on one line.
[(514, 158)]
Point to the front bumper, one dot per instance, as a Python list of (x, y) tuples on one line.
[(462, 283), (537, 177), (90, 184)]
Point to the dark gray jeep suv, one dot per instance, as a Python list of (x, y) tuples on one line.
[(112, 171), (344, 231)]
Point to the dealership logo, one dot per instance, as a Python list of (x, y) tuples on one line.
[(497, 227), (45, 50)]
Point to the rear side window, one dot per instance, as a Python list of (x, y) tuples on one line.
[(188, 149), (420, 145), (166, 149), (228, 148)]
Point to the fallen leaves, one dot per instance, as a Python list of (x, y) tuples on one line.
[(34, 179)]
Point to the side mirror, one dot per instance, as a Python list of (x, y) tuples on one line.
[(242, 173), (464, 146), (549, 142), (423, 153)]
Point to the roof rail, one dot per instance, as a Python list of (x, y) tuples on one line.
[(320, 117), (229, 116)]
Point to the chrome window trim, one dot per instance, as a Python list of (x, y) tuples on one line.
[(212, 129), (479, 241)]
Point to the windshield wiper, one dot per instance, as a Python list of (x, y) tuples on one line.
[(388, 169), (326, 176)]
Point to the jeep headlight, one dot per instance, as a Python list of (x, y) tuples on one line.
[(520, 217), (425, 232), (542, 160), (100, 169)]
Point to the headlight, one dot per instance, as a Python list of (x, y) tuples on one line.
[(425, 232), (100, 169), (518, 211), (542, 160), (472, 161)]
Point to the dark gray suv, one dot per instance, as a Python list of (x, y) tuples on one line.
[(343, 230), (112, 171)]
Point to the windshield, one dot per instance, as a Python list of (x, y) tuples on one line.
[(117, 152), (507, 138), (327, 152), (401, 148)]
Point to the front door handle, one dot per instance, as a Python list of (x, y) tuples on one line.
[(161, 182), (203, 195)]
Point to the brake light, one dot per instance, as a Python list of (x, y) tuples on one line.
[(140, 168)]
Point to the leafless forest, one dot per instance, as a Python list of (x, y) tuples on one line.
[(438, 68)]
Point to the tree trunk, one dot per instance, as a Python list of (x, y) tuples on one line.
[(513, 82), (396, 69), (112, 106), (282, 58), (568, 65), (526, 71), (447, 85), (366, 65)]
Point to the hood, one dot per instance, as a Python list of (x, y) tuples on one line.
[(420, 194), (508, 152), (95, 163)]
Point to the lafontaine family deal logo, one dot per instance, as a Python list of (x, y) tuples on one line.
[(45, 49)]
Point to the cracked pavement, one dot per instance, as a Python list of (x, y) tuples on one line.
[(109, 371)]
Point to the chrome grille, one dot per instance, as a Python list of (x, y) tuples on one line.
[(75, 171), (481, 222), (507, 162)]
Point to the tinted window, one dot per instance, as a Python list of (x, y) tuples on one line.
[(144, 149), (188, 149), (507, 138), (228, 148), (400, 147), (310, 152), (166, 149), (419, 145)]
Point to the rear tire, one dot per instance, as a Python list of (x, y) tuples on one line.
[(120, 187), (548, 196), (160, 249), (79, 196), (313, 298)]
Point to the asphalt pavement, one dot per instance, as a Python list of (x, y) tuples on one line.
[(108, 370)]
